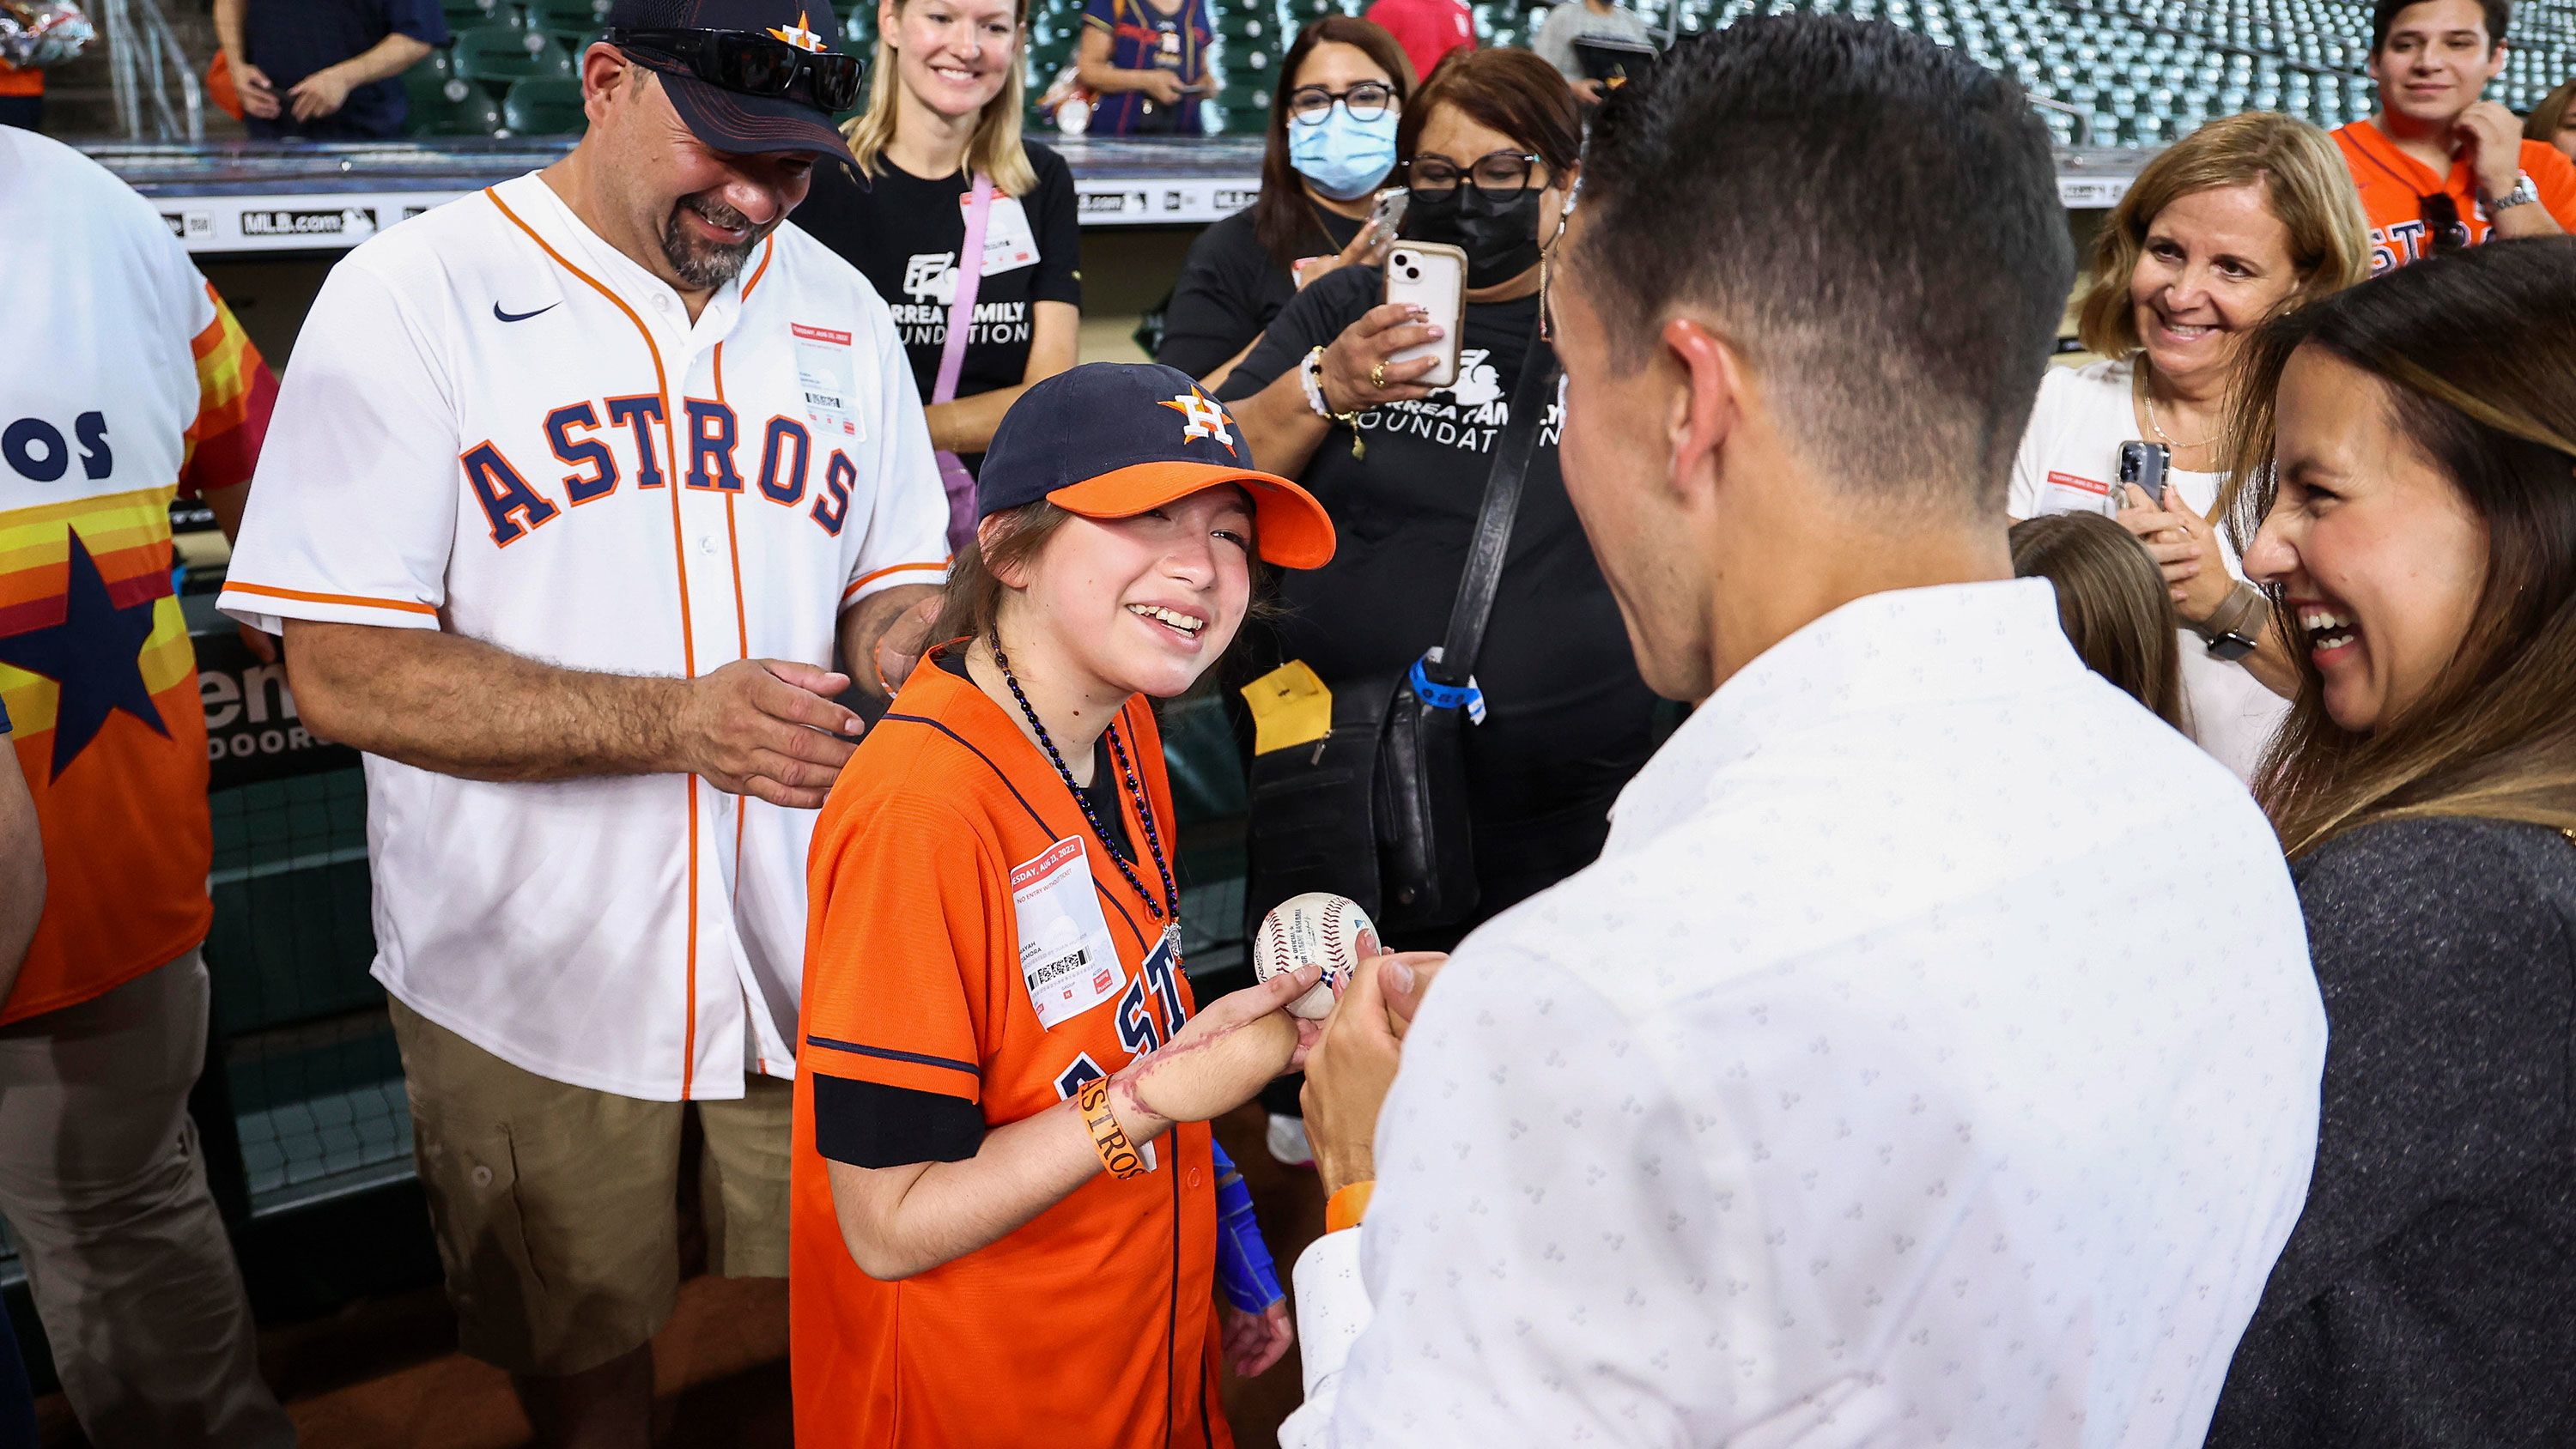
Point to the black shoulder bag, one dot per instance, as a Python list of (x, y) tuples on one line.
[(1376, 810)]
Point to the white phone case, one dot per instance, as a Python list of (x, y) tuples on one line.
[(1432, 276)]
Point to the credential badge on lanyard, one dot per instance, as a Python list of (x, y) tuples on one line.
[(825, 375)]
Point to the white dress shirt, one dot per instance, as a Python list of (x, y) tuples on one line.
[(1877, 1086)]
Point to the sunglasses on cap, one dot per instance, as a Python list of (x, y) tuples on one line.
[(2443, 229), (748, 62)]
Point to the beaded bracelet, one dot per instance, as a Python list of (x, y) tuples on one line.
[(1312, 375)]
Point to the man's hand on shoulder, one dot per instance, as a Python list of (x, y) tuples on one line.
[(767, 728)]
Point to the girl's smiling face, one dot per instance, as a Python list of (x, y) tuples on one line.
[(1143, 605)]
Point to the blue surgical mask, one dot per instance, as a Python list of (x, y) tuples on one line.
[(1341, 157)]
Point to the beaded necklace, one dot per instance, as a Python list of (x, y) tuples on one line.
[(1167, 910)]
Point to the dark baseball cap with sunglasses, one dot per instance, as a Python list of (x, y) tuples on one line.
[(746, 76)]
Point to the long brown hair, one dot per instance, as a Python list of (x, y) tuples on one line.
[(2111, 601), (2546, 118), (2478, 366), (1283, 217), (995, 149)]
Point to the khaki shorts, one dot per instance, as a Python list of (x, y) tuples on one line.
[(557, 1207)]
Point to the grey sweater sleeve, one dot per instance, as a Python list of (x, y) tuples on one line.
[(2443, 958)]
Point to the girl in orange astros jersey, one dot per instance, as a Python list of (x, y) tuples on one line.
[(1005, 1220)]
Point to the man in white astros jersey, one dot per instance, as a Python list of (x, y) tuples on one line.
[(579, 492)]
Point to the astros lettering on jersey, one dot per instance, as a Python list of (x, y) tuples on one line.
[(498, 425)]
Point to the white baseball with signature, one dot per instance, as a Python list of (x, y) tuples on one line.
[(1318, 928)]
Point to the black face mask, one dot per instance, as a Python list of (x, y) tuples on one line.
[(1500, 238)]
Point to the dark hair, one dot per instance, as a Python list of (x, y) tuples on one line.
[(1873, 220), (2546, 119), (2383, 18), (2478, 366), (2111, 601), (1511, 91), (1282, 218)]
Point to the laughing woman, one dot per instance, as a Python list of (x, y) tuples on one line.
[(2423, 538), (1005, 1220), (940, 156)]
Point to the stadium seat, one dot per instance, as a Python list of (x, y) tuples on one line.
[(544, 106), (454, 106), (498, 55)]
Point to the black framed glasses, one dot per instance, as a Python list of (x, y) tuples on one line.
[(748, 62), (1499, 177), (1367, 100), (2443, 229)]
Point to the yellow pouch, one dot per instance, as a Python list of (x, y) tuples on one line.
[(1290, 707)]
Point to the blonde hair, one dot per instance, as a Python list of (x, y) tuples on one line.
[(2305, 180), (2545, 119), (995, 149)]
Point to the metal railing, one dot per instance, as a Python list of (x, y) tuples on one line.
[(2083, 119), (146, 66)]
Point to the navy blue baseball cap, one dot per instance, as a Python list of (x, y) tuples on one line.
[(709, 45), (1115, 439)]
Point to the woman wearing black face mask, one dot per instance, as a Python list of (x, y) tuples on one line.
[(1488, 148)]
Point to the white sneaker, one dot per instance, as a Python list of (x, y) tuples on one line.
[(1288, 1141)]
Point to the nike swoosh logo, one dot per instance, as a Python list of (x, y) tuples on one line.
[(501, 316)]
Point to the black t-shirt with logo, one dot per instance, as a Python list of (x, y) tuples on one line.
[(1231, 287), (904, 232), (1568, 719)]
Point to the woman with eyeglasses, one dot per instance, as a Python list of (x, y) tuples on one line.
[(940, 155), (2411, 454), (1332, 145), (2241, 220), (1489, 147)]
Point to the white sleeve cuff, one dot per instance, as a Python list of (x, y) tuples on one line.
[(1332, 1308)]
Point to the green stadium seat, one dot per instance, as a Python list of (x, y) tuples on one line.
[(498, 55), (468, 14), (449, 106), (544, 106)]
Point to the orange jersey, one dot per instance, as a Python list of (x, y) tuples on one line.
[(931, 1015), (147, 388), (2393, 186)]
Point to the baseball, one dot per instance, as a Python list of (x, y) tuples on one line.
[(1319, 928)]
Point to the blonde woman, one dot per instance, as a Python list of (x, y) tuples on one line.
[(938, 143), (2242, 220)]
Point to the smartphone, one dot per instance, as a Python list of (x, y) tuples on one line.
[(2143, 464), (1385, 217), (1433, 277)]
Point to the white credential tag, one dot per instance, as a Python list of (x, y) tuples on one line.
[(1067, 957), (1009, 244), (823, 375)]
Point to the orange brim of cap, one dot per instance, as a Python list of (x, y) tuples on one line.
[(1292, 529)]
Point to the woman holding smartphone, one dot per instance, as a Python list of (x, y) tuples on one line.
[(2241, 220), (1332, 145), (1004, 1196), (1488, 149)]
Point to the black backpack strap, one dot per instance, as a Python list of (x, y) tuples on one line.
[(1484, 572)]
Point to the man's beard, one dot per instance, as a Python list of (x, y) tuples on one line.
[(702, 265)]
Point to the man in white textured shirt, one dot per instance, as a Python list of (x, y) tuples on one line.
[(1879, 1085)]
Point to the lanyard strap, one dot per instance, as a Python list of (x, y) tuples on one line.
[(961, 302)]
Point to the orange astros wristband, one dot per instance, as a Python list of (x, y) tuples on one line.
[(1107, 1138), (1348, 1206)]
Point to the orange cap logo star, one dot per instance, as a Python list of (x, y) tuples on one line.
[(797, 35), (1206, 417)]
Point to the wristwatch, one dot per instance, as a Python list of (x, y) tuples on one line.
[(2523, 194), (2230, 632)]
